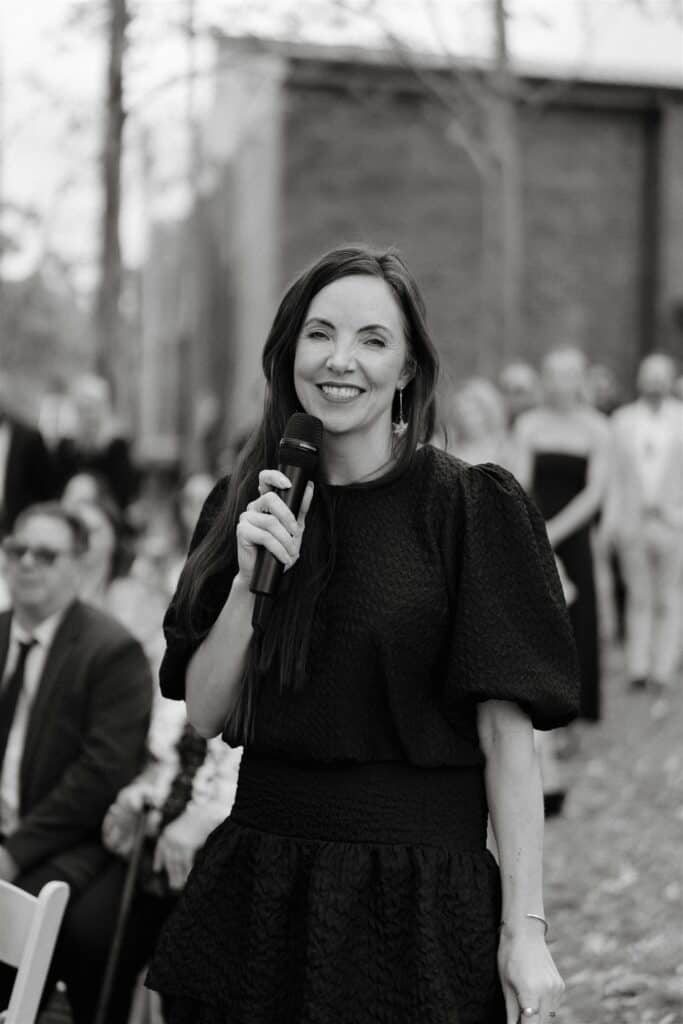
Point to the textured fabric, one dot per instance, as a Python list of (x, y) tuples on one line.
[(361, 891), (341, 893)]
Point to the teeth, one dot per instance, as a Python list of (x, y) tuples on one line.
[(340, 392)]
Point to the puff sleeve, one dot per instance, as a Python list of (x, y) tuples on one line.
[(512, 637), (179, 646)]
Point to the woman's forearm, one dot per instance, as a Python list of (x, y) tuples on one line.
[(513, 784), (575, 515), (215, 669)]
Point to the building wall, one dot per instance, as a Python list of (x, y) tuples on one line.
[(374, 161), (583, 182), (305, 154)]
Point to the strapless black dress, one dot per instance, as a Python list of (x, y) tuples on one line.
[(558, 477)]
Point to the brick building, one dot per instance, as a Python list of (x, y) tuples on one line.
[(307, 148)]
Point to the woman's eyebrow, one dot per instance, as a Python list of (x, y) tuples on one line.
[(327, 323), (319, 320), (375, 327)]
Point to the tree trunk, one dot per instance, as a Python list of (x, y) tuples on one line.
[(503, 209), (107, 315)]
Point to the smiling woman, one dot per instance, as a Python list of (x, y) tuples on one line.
[(387, 704), (352, 356)]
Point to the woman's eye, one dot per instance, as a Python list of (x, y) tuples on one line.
[(379, 342), (317, 335)]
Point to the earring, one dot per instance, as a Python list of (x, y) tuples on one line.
[(400, 427)]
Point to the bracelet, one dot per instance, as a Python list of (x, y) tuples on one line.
[(536, 917)]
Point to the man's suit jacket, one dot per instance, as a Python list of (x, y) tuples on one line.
[(85, 740), (29, 472), (626, 502)]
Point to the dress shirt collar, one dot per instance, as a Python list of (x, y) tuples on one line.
[(667, 407), (43, 634)]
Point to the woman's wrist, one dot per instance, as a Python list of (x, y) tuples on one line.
[(526, 924)]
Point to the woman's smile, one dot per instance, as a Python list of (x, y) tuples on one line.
[(342, 393)]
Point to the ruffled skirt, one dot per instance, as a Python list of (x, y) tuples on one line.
[(339, 894)]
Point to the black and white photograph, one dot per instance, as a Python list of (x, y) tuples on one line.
[(341, 511)]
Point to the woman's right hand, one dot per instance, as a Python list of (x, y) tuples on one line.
[(268, 523)]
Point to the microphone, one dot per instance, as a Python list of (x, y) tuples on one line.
[(298, 460)]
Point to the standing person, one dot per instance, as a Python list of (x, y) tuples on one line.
[(476, 423), (26, 468), (520, 387), (644, 516), (75, 702), (98, 446), (562, 448), (419, 632)]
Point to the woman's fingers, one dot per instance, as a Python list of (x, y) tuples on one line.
[(511, 1005), (305, 504), (269, 479), (272, 504), (254, 535), (268, 523)]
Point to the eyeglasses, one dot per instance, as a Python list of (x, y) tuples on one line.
[(42, 555)]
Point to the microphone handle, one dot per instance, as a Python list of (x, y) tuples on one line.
[(268, 569)]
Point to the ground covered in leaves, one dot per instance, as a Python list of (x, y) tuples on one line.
[(614, 863)]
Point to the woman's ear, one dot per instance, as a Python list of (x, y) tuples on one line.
[(408, 371)]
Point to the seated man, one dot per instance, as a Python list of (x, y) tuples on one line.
[(75, 699)]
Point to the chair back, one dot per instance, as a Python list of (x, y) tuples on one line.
[(29, 926)]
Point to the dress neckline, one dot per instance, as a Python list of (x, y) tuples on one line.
[(395, 472)]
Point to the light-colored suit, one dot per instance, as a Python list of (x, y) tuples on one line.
[(644, 517)]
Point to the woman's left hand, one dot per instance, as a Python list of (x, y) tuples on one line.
[(529, 976)]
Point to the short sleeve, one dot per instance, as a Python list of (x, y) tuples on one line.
[(179, 646), (512, 636)]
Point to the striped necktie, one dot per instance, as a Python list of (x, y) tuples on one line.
[(9, 696)]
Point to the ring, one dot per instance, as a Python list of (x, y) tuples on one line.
[(529, 1011)]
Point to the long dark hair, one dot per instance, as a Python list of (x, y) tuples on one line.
[(286, 641)]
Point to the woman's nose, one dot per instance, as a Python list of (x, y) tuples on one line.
[(341, 358)]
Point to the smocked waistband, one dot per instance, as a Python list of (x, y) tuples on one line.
[(377, 802)]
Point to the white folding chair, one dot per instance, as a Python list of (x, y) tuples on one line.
[(29, 926)]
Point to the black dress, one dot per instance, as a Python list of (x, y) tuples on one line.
[(351, 883), (557, 478)]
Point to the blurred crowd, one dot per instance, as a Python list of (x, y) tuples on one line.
[(80, 532), (607, 475)]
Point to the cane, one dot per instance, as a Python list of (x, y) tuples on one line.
[(124, 912)]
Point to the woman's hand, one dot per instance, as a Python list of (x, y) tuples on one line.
[(177, 845), (268, 523), (529, 976)]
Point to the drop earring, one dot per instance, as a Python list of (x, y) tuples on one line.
[(400, 427)]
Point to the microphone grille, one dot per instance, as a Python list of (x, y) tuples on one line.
[(302, 427)]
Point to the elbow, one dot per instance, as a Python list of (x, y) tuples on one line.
[(204, 729), (201, 721), (504, 728)]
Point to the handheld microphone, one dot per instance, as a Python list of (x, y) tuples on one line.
[(298, 459)]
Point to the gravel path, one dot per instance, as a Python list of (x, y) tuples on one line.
[(614, 864)]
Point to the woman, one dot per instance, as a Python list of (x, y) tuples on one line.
[(107, 581), (419, 631), (562, 449), (476, 427)]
